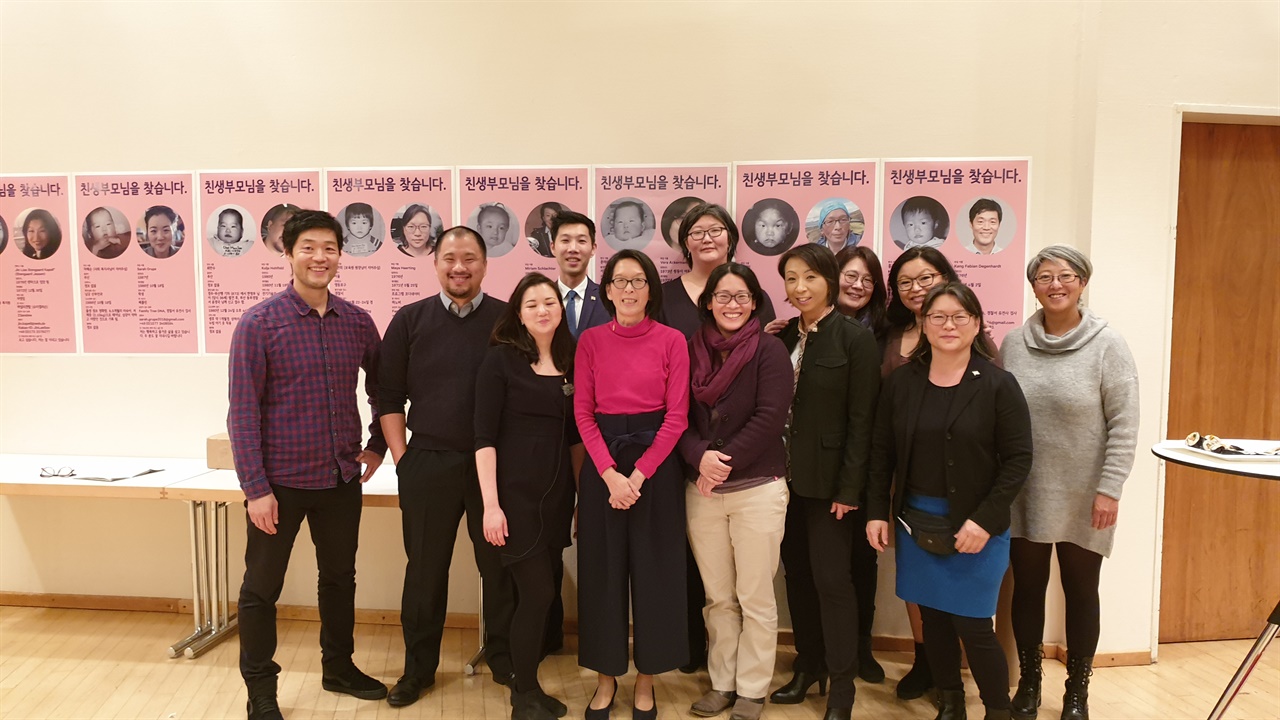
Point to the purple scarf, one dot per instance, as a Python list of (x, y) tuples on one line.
[(712, 376)]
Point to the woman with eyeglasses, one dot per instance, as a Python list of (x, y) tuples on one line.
[(707, 238), (951, 450), (835, 226), (632, 405), (835, 370), (736, 500), (1082, 386)]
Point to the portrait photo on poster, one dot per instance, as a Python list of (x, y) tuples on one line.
[(497, 225), (991, 227), (628, 224), (919, 221), (4, 234), (225, 231), (106, 232), (415, 229), (362, 229), (161, 232), (37, 233), (672, 216), (272, 228), (770, 226), (537, 227), (835, 223)]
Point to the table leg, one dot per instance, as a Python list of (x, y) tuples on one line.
[(222, 625), (1246, 667), (473, 665), (195, 511)]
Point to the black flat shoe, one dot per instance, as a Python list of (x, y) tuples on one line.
[(407, 691), (263, 707), (793, 692), (354, 683)]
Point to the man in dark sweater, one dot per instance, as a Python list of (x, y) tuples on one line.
[(430, 356)]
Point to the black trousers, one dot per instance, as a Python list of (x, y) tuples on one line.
[(333, 517), (636, 554), (436, 488), (817, 554), (942, 635), (1081, 571), (553, 639), (535, 587)]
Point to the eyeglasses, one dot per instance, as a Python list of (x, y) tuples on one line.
[(924, 281), (960, 319), (416, 228), (723, 298), (47, 472), (832, 222), (638, 283), (714, 233), (1066, 278), (854, 278)]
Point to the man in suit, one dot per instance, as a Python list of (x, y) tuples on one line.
[(573, 245)]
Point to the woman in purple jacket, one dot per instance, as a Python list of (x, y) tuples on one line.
[(736, 500)]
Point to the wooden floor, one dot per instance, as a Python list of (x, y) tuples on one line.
[(100, 664)]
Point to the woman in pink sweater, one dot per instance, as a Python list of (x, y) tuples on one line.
[(631, 405)]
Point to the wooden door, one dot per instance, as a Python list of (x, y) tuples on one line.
[(1221, 565)]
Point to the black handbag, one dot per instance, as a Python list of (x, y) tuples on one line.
[(931, 532)]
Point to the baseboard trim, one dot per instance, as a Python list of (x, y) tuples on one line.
[(461, 621)]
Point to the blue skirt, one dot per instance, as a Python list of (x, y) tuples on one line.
[(960, 584)]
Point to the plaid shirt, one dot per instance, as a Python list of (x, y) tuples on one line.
[(293, 419)]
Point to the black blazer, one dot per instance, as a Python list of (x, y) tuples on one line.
[(834, 409), (988, 447)]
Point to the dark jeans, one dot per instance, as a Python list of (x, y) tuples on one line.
[(816, 556), (942, 635), (1080, 570), (333, 516), (436, 488)]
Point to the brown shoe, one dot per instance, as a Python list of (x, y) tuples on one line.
[(747, 709), (713, 703)]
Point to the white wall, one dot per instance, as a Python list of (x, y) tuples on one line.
[(1086, 89)]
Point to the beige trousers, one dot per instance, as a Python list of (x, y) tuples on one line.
[(735, 539)]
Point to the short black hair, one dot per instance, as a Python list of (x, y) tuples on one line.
[(359, 209), (931, 207), (730, 268), (963, 294), (986, 205), (232, 211), (467, 232), (653, 308), (694, 214), (898, 314), (820, 260), (569, 217), (304, 220), (155, 210)]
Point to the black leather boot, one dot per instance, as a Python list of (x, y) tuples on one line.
[(868, 669), (1026, 701), (951, 705), (918, 680), (996, 715), (1075, 703), (793, 692)]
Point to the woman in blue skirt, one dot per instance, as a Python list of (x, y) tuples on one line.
[(950, 451)]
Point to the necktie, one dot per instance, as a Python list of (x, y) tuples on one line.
[(572, 310)]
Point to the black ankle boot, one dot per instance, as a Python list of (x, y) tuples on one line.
[(1075, 703), (793, 692), (528, 706), (951, 705), (868, 669), (1026, 701), (997, 715), (918, 680)]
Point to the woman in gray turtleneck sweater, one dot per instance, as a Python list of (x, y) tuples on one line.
[(1081, 385)]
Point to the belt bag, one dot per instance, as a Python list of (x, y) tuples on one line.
[(931, 532)]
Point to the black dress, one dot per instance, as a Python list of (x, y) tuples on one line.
[(528, 419)]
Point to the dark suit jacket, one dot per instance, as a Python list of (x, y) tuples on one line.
[(834, 409), (988, 446), (591, 311), (747, 422)]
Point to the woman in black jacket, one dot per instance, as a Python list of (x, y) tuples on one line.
[(953, 440), (837, 376)]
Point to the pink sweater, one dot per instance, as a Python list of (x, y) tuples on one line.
[(627, 371)]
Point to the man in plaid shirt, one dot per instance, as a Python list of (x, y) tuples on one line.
[(295, 437)]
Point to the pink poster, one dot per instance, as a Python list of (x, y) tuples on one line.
[(391, 221), (37, 295), (782, 204), (639, 208), (975, 212), (137, 263), (243, 218), (512, 209)]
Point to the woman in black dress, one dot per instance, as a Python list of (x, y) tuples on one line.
[(527, 449)]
